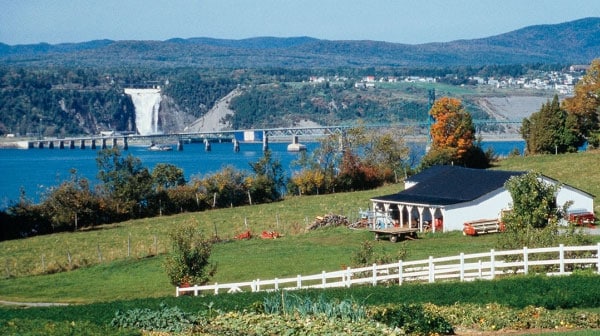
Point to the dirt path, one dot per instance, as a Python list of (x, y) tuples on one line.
[(32, 304)]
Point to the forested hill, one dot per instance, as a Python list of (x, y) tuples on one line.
[(566, 43)]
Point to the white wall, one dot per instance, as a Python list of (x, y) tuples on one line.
[(580, 199), (485, 207), (490, 205)]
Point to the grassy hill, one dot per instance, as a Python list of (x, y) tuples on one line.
[(124, 261)]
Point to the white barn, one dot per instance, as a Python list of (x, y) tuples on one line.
[(449, 196)]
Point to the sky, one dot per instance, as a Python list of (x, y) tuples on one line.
[(400, 21)]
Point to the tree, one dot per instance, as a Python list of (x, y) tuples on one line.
[(268, 178), (228, 187), (550, 130), (166, 176), (125, 180), (189, 258), (585, 104), (71, 205), (388, 151), (453, 136), (534, 218)]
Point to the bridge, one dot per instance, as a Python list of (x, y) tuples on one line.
[(414, 130)]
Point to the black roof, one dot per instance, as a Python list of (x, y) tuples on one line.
[(444, 185)]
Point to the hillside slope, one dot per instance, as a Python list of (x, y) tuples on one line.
[(566, 43)]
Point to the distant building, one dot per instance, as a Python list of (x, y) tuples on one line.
[(579, 67)]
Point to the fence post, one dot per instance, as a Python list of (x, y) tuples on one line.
[(525, 260), (276, 283), (431, 270), (374, 275), (561, 256), (258, 285), (480, 270), (323, 279), (492, 264), (177, 291), (216, 288), (598, 255), (299, 281), (400, 273), (348, 272), (462, 267), (195, 290)]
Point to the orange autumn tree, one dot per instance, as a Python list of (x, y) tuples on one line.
[(453, 136), (585, 104)]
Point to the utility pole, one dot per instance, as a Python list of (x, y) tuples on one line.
[(430, 119)]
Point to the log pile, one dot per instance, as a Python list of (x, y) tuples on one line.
[(329, 220)]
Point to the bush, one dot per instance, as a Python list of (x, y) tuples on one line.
[(188, 262), (58, 328), (412, 319)]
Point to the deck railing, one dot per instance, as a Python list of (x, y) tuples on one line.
[(561, 260)]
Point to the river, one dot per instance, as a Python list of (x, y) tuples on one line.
[(35, 170)]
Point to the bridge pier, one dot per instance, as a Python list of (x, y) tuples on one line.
[(265, 141), (41, 145), (72, 144), (295, 146), (114, 142), (50, 144), (207, 145), (180, 145), (93, 144), (61, 144), (236, 145), (125, 144), (82, 144), (103, 143)]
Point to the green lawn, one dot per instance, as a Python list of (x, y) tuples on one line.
[(120, 267), (124, 261)]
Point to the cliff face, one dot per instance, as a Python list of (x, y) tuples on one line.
[(216, 118), (172, 119)]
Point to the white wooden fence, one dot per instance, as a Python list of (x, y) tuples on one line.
[(464, 267)]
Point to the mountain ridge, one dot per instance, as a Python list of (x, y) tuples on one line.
[(578, 42)]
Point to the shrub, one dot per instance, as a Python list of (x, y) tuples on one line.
[(189, 259), (411, 318), (58, 328)]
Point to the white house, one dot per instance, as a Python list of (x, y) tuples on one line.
[(449, 196)]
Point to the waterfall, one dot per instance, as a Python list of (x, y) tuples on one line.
[(146, 103)]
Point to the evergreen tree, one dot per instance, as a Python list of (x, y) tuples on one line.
[(550, 130)]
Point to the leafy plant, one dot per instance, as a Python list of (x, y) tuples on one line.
[(411, 318), (188, 260), (168, 319), (366, 255), (289, 304)]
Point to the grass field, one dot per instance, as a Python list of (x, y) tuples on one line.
[(120, 267), (124, 261)]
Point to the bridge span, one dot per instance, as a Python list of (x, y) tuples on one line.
[(413, 130)]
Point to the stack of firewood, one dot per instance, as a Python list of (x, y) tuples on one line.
[(329, 220)]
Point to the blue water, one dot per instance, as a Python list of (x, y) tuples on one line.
[(35, 170)]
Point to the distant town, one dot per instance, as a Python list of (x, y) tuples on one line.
[(562, 82)]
